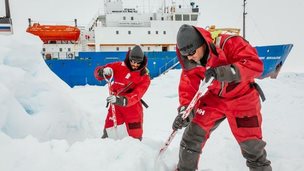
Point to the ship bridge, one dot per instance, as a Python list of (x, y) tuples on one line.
[(121, 28)]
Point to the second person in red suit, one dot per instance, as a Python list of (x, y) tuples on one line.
[(131, 81)]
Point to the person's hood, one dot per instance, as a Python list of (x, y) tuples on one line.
[(142, 65), (187, 64)]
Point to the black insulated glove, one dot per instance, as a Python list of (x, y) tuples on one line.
[(179, 122), (100, 73), (225, 73)]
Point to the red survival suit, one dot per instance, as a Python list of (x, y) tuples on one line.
[(132, 85), (238, 102)]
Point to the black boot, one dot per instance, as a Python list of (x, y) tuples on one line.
[(105, 134)]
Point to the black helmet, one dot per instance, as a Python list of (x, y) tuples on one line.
[(188, 39), (136, 54)]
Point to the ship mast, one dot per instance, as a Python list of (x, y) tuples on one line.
[(244, 18), (7, 9)]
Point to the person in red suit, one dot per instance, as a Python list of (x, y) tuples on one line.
[(131, 81), (233, 95)]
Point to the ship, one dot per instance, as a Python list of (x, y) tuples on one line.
[(6, 24), (73, 52)]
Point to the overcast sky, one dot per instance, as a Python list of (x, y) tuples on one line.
[(269, 22)]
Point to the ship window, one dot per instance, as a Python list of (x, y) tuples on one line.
[(60, 49), (178, 17), (165, 32), (149, 32), (195, 9), (162, 18), (132, 18), (117, 48), (69, 49), (186, 17), (193, 17), (156, 32), (117, 32), (129, 32), (151, 18), (43, 49), (149, 48), (124, 17)]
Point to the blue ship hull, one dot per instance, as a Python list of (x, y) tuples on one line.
[(80, 71), (273, 58)]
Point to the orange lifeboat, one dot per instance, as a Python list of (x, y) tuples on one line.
[(54, 32)]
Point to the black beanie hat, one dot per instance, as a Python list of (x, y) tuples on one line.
[(136, 54), (188, 39)]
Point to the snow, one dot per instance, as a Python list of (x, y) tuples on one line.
[(45, 125)]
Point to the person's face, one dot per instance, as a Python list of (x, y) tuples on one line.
[(134, 65), (197, 54)]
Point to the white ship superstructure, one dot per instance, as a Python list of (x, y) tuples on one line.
[(121, 28)]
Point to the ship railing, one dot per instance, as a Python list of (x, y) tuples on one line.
[(168, 66)]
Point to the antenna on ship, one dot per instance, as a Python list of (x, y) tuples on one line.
[(164, 10), (7, 9), (30, 22), (244, 18)]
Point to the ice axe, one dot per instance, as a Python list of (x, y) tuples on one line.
[(109, 81), (201, 91)]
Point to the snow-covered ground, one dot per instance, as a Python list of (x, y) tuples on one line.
[(45, 125)]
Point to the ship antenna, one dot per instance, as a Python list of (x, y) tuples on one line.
[(244, 18), (164, 6), (7, 9), (30, 22)]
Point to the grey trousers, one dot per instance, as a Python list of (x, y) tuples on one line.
[(191, 147)]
